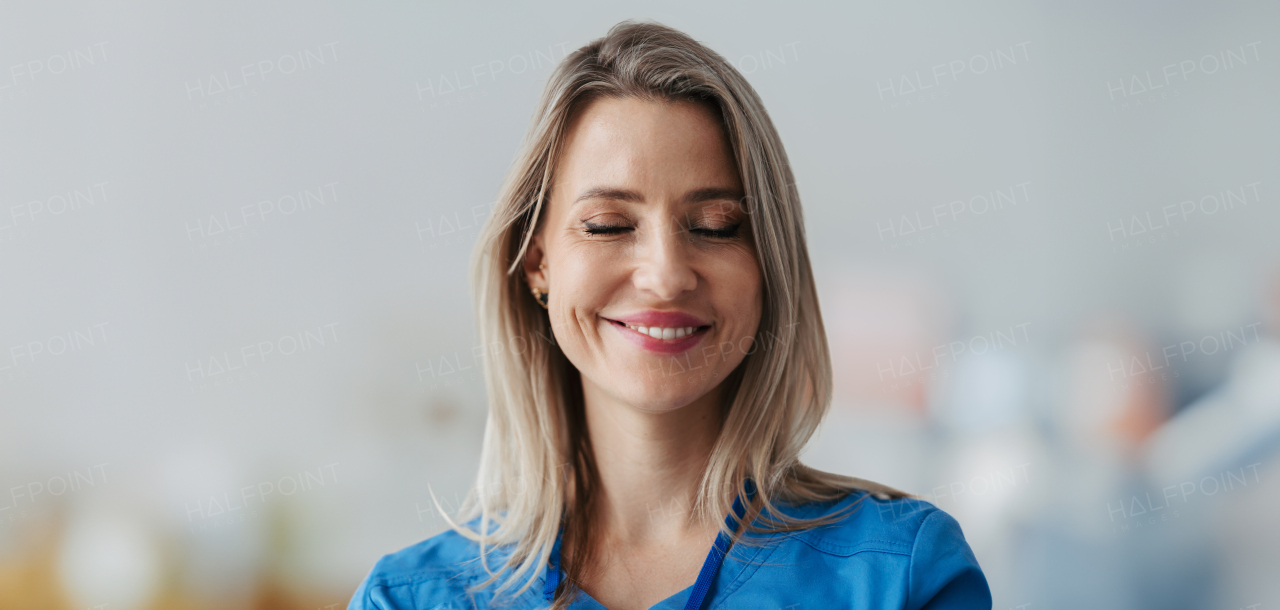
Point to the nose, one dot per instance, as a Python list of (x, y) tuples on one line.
[(663, 269)]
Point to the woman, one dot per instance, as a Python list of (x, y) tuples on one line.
[(655, 363)]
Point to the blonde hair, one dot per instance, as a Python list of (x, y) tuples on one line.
[(536, 467)]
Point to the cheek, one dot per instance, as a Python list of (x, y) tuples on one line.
[(737, 286), (582, 284)]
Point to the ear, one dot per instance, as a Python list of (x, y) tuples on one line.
[(534, 259)]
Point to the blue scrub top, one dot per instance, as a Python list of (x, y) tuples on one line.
[(900, 554)]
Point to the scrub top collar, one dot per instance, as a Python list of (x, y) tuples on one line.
[(709, 567)]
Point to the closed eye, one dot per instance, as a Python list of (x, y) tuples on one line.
[(723, 233), (606, 229)]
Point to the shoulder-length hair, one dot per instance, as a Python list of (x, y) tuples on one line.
[(536, 468)]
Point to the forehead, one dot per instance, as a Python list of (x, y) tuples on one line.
[(657, 147)]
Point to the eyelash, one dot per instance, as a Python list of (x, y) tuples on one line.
[(605, 230), (728, 232)]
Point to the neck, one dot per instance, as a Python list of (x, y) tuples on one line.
[(650, 465)]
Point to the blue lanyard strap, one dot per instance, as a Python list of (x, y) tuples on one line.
[(718, 552), (709, 567)]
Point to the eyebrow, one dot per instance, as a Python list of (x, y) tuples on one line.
[(694, 196)]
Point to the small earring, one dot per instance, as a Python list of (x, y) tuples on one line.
[(540, 295)]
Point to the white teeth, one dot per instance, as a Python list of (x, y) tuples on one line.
[(665, 334)]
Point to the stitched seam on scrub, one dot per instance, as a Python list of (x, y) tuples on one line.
[(845, 550)]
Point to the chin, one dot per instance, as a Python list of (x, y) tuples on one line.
[(649, 381), (665, 394)]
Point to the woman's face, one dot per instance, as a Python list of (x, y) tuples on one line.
[(655, 291)]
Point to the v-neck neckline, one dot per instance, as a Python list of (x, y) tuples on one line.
[(669, 603), (707, 574)]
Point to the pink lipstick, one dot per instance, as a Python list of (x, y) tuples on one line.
[(667, 332)]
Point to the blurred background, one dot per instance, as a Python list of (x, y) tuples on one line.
[(237, 352)]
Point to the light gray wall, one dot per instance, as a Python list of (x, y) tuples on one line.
[(184, 187)]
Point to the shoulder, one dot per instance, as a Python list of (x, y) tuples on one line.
[(869, 523), (434, 573), (447, 551), (902, 540)]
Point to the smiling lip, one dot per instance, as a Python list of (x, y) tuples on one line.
[(661, 319), (630, 325)]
